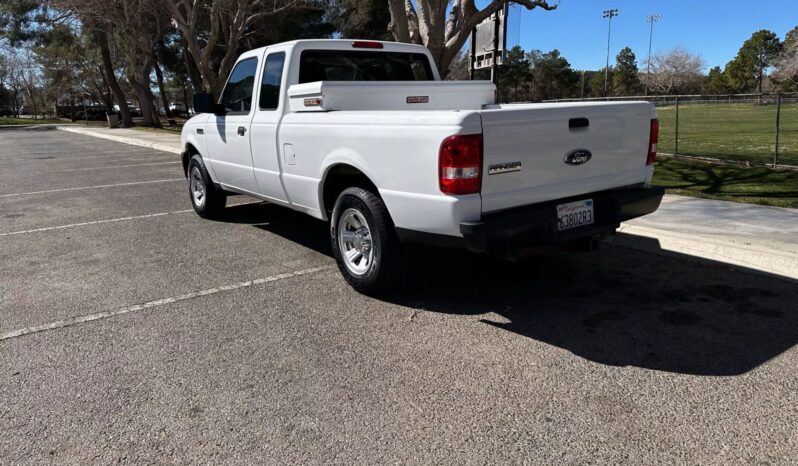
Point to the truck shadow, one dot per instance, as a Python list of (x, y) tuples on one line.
[(616, 306)]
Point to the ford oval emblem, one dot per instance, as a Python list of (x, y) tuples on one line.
[(577, 157)]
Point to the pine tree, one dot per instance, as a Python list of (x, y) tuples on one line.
[(625, 79), (747, 70), (715, 82), (596, 82), (515, 76)]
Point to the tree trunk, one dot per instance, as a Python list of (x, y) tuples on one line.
[(145, 100), (164, 100), (185, 99), (138, 74), (191, 67), (16, 102), (105, 92), (108, 68)]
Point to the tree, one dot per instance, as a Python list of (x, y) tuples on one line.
[(756, 55), (426, 22), (67, 68), (100, 39), (156, 58), (138, 27), (596, 82), (626, 80), (459, 68), (715, 83), (26, 78), (363, 19), (208, 24), (27, 21), (515, 76), (4, 94), (786, 65), (554, 78), (676, 71), (133, 27)]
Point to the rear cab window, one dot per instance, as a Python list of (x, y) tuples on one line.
[(358, 65), (270, 84)]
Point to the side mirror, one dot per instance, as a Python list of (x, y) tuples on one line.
[(203, 103)]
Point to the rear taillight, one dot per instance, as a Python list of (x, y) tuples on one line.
[(460, 164), (653, 137)]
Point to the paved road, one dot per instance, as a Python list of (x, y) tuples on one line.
[(134, 332)]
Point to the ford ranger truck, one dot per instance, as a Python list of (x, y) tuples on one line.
[(366, 136)]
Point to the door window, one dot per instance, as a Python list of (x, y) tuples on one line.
[(237, 94), (270, 86)]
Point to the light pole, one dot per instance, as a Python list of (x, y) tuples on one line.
[(609, 14), (651, 19)]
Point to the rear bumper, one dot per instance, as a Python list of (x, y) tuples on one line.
[(536, 225)]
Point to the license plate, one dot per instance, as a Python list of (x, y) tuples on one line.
[(574, 214)]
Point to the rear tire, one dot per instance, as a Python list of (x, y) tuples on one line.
[(364, 242), (208, 202)]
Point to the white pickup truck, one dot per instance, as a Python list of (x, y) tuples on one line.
[(366, 135)]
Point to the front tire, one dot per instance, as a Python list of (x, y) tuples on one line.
[(208, 202), (364, 242)]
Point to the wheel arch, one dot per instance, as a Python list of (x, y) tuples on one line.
[(186, 155), (339, 176)]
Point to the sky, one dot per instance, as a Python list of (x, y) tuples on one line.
[(713, 28)]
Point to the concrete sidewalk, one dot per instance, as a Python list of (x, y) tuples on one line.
[(757, 237), (159, 141)]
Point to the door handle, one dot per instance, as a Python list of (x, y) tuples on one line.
[(241, 130), (578, 123)]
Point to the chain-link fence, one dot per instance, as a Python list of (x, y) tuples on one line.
[(760, 129)]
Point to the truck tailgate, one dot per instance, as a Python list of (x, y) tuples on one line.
[(526, 147)]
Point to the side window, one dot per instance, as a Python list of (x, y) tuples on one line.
[(237, 94), (270, 86)]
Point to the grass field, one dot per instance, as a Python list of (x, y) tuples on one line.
[(739, 131), (28, 121), (756, 185)]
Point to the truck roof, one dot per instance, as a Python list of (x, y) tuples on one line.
[(326, 43)]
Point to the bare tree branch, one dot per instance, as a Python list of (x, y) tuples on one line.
[(445, 34)]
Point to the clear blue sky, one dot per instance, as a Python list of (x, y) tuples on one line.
[(713, 28)]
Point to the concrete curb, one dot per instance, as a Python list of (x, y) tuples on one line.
[(13, 127), (123, 139), (777, 258)]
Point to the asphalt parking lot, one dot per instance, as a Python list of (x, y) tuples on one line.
[(132, 331)]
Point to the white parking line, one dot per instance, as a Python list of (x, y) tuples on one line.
[(110, 220), (112, 167), (91, 187), (95, 222), (79, 155), (156, 303)]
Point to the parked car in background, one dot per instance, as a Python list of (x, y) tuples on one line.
[(134, 111), (177, 108), (365, 135)]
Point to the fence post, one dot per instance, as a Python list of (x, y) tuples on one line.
[(676, 142), (778, 124)]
